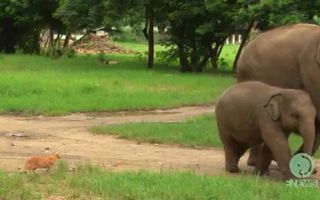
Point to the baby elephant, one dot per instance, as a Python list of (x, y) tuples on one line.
[(254, 113)]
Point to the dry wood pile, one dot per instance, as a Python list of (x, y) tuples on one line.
[(93, 44)]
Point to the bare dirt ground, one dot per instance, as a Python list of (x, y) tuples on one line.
[(23, 137)]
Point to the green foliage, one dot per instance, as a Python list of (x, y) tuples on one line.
[(191, 34), (129, 34), (194, 31), (77, 15), (223, 64), (22, 21), (123, 12), (316, 19), (198, 29)]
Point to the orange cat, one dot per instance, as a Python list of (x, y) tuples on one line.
[(38, 162)]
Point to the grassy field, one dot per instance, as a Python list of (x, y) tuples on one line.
[(38, 85), (90, 182), (196, 132), (199, 131), (139, 47)]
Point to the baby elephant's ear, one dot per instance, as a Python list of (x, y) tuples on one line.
[(273, 106)]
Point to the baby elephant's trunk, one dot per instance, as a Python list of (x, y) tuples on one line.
[(307, 131)]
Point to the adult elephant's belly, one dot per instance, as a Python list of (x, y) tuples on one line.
[(275, 75)]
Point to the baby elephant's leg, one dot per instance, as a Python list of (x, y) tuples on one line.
[(263, 160), (233, 151), (276, 140)]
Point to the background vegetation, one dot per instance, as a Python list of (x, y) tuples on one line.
[(194, 32)]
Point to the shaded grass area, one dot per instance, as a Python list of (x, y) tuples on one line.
[(39, 85), (91, 182), (199, 131)]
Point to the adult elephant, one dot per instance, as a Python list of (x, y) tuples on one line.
[(287, 57)]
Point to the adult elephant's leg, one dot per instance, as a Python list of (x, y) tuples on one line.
[(317, 138), (316, 141), (310, 69), (254, 155)]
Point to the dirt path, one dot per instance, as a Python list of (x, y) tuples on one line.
[(22, 137)]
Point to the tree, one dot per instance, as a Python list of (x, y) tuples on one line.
[(267, 14), (22, 22), (198, 30), (80, 15), (133, 12)]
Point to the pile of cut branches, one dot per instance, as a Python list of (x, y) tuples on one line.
[(93, 44)]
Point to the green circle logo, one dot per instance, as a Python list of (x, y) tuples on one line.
[(301, 165)]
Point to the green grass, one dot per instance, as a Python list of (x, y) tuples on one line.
[(91, 182), (138, 46), (39, 85), (199, 131)]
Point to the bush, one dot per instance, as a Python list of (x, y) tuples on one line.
[(56, 52), (223, 65)]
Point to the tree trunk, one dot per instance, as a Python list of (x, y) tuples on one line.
[(183, 59), (56, 42), (203, 63), (220, 48), (151, 38), (47, 37), (35, 46), (215, 53), (145, 29), (194, 58), (161, 28), (67, 40), (243, 42), (214, 57), (51, 35)]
